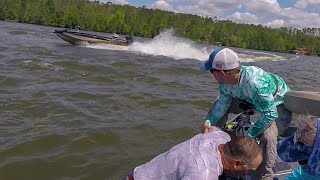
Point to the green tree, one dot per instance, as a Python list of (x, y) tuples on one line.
[(140, 21)]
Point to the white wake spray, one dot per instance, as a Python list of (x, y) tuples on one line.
[(166, 44)]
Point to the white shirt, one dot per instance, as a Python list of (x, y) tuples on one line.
[(195, 159)]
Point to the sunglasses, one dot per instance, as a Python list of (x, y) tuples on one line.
[(227, 72)]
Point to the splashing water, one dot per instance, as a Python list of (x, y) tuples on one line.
[(166, 44), (42, 65), (259, 56)]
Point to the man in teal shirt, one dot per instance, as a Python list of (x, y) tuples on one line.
[(249, 85)]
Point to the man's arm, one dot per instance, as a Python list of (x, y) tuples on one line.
[(263, 101), (219, 108)]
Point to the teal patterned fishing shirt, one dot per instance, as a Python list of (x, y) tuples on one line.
[(256, 87)]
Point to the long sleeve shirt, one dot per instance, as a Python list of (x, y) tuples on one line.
[(197, 158), (262, 89)]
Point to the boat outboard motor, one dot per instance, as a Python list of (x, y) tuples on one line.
[(129, 39)]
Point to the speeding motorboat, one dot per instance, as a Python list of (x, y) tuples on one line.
[(76, 37)]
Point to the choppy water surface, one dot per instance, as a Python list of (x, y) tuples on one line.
[(95, 112)]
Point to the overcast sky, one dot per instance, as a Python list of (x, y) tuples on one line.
[(274, 13)]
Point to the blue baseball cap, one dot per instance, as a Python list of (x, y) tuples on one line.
[(221, 59)]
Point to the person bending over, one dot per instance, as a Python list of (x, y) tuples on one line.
[(203, 157), (255, 87)]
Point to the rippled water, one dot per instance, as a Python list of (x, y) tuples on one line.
[(95, 112)]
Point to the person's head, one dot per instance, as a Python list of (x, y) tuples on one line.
[(224, 65), (300, 146), (240, 156), (307, 130)]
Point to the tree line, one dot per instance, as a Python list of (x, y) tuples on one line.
[(140, 21)]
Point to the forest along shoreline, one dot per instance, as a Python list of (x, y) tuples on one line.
[(143, 22)]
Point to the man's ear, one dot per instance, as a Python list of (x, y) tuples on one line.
[(238, 163)]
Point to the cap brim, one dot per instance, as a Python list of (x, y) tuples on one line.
[(203, 66), (288, 152)]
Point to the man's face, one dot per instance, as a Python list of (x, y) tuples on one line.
[(218, 75), (238, 168)]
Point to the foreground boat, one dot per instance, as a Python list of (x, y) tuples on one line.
[(303, 102), (76, 37)]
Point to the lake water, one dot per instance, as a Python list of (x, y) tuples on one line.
[(95, 112)]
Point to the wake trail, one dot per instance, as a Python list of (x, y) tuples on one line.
[(169, 45), (165, 44)]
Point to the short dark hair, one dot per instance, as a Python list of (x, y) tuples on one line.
[(245, 148)]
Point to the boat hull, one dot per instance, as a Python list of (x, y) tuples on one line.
[(303, 102), (80, 38)]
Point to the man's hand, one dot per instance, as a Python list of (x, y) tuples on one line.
[(206, 126)]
